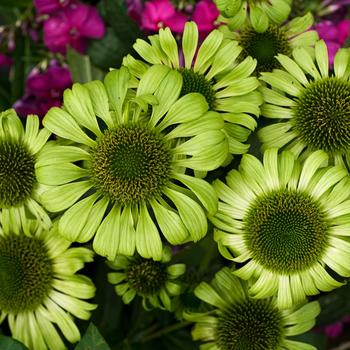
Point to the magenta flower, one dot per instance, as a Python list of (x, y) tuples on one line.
[(44, 90), (161, 13), (335, 329), (334, 35), (205, 15), (50, 6), (5, 61), (135, 9), (72, 27)]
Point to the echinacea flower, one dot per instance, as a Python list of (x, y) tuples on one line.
[(156, 282), (265, 44), (260, 13), (237, 321), (39, 288), (124, 177), (311, 106), (286, 223), (73, 26), (226, 84), (19, 148)]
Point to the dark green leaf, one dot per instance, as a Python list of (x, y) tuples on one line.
[(15, 3), (7, 343), (92, 340), (318, 340)]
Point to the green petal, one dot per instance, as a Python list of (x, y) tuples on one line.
[(291, 67), (265, 286), (63, 124), (78, 103), (278, 11), (147, 52), (107, 237), (59, 174), (204, 192), (299, 25), (151, 80), (170, 223), (99, 100), (274, 97), (206, 293), (253, 173), (189, 43), (276, 112), (190, 212), (61, 197), (282, 84), (276, 135), (242, 87), (10, 125), (305, 61), (136, 67), (169, 46), (258, 18), (285, 167), (307, 312), (271, 168), (33, 138), (321, 54), (342, 63), (74, 219), (207, 50), (306, 39), (127, 233), (284, 296)]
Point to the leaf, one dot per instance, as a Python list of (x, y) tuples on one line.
[(7, 343), (92, 340), (81, 68), (15, 4)]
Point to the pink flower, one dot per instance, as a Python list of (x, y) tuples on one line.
[(161, 13), (205, 14), (333, 330), (5, 61), (135, 8), (334, 35), (73, 26), (49, 6)]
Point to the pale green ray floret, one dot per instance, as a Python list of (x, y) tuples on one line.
[(156, 282), (214, 70), (39, 288), (124, 179), (259, 12), (287, 223), (312, 105), (235, 321), (264, 45), (19, 146)]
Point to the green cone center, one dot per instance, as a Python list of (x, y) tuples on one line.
[(250, 325), (322, 115), (25, 273), (196, 82), (146, 276), (265, 46), (17, 174), (286, 231), (130, 164)]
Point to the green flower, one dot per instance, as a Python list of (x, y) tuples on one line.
[(288, 224), (211, 70), (314, 106), (259, 12), (19, 189), (238, 322), (124, 178), (265, 45), (156, 282), (39, 288)]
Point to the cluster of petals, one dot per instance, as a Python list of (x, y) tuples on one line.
[(44, 89), (69, 24), (156, 14)]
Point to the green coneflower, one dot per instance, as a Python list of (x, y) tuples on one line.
[(236, 321), (125, 177), (39, 288), (264, 45), (211, 69), (19, 189), (259, 12), (314, 104), (156, 282), (287, 223)]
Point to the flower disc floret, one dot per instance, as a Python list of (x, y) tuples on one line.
[(130, 164), (286, 222), (25, 275), (17, 174), (236, 321)]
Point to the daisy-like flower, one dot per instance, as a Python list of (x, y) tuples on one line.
[(259, 12), (225, 83), (237, 321), (265, 44), (312, 106), (124, 178), (39, 288), (19, 189), (156, 282), (287, 223)]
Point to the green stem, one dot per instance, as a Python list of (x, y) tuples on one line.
[(165, 330)]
